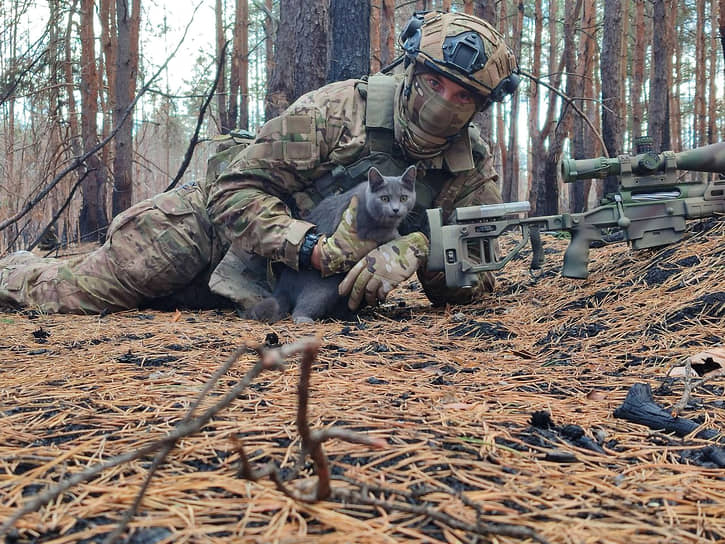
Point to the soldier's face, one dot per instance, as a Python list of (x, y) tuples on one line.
[(449, 90)]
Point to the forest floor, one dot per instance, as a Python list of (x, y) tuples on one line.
[(495, 417)]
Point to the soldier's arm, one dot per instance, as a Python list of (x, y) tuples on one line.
[(247, 203)]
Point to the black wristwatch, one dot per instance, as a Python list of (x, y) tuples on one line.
[(308, 245)]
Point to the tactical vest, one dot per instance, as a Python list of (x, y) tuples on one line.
[(381, 151), (384, 153)]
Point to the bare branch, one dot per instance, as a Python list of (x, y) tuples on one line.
[(81, 160), (570, 102), (200, 119)]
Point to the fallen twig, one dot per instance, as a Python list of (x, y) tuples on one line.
[(186, 428)]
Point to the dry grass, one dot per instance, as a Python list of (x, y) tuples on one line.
[(451, 391)]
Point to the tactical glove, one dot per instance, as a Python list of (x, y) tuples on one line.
[(342, 249), (383, 269)]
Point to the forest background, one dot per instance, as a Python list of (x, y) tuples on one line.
[(106, 102)]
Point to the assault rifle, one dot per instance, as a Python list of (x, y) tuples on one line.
[(650, 208)]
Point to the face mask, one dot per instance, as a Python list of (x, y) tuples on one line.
[(425, 121), (434, 114)]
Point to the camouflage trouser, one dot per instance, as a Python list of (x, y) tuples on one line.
[(162, 249)]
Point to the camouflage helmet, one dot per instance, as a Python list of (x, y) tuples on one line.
[(463, 48)]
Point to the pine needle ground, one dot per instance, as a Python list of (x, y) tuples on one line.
[(480, 402)]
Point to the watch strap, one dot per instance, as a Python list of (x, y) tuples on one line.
[(308, 245)]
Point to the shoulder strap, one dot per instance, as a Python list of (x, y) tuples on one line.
[(379, 112), (459, 157)]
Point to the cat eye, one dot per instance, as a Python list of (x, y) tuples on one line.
[(385, 198), (403, 198)]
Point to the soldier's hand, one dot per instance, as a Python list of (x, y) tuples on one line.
[(383, 269), (340, 251)]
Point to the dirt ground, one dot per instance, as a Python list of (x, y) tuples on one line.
[(500, 412)]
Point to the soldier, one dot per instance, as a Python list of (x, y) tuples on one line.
[(201, 244)]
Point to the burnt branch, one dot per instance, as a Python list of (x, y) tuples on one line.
[(690, 384), (9, 87)]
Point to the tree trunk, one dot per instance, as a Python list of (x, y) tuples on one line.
[(349, 51), (486, 10), (375, 22), (222, 85), (659, 95), (502, 145), (387, 33), (624, 68), (75, 133), (134, 29), (301, 53), (672, 133), (546, 194), (700, 125), (556, 143), (280, 87), (712, 135), (721, 23), (536, 141), (582, 139), (310, 55), (511, 167), (109, 46), (611, 84), (269, 53), (122, 197), (238, 91), (10, 132), (640, 32), (92, 221)]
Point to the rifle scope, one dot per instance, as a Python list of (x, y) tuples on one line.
[(709, 158)]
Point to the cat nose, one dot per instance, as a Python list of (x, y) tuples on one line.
[(396, 210)]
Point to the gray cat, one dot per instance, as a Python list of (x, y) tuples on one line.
[(383, 203)]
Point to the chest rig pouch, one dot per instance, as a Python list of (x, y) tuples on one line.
[(380, 149), (384, 154)]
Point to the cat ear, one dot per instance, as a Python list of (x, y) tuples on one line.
[(375, 179), (409, 176)]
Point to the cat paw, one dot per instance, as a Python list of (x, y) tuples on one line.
[(302, 320)]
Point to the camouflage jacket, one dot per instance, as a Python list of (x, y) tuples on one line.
[(251, 202)]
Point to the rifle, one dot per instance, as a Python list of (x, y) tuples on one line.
[(650, 207)]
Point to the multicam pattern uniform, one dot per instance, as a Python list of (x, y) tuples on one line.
[(175, 240)]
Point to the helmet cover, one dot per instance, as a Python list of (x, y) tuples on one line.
[(465, 49)]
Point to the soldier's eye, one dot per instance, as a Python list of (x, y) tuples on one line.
[(464, 97), (385, 198)]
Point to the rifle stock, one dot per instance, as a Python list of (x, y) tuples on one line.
[(651, 208)]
